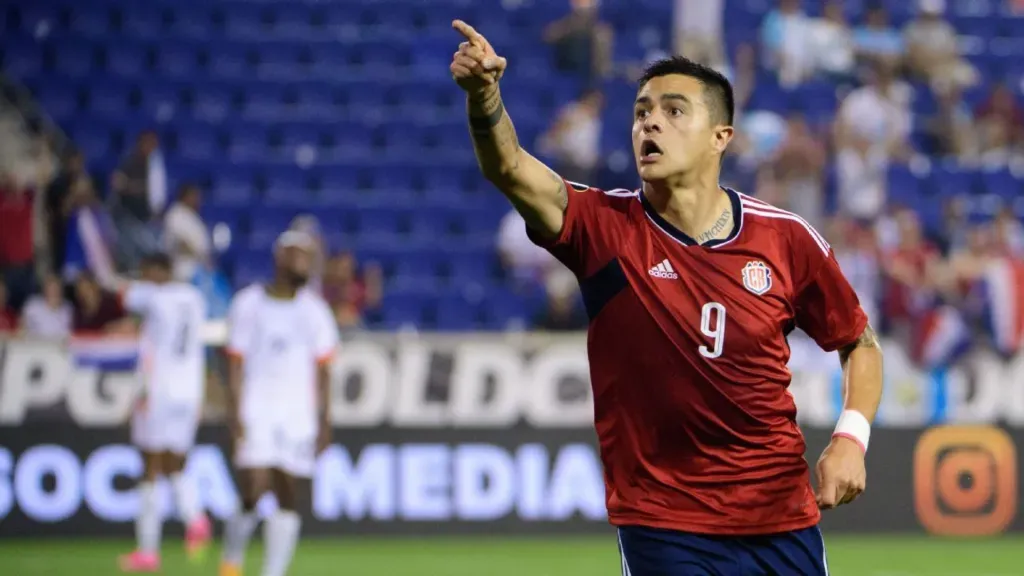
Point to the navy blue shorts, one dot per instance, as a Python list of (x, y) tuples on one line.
[(656, 552)]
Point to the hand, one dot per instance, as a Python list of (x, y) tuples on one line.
[(323, 439), (475, 66), (841, 473)]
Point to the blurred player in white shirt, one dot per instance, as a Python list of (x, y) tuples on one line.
[(281, 339), (172, 368)]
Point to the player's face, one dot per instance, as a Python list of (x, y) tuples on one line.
[(154, 273), (296, 263), (673, 131)]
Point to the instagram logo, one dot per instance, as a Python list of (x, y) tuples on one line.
[(965, 480)]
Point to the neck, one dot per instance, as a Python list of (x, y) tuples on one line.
[(697, 206), (282, 288)]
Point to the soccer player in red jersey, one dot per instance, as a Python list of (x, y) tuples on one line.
[(691, 290)]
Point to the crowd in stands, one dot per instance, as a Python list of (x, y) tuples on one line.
[(900, 136), (65, 251)]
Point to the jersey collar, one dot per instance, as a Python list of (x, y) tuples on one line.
[(683, 238)]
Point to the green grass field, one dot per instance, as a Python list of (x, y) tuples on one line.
[(877, 556)]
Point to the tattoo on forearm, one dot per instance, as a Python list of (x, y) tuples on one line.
[(867, 339), (494, 136), (717, 228)]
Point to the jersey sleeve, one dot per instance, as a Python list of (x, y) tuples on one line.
[(240, 326), (589, 234), (137, 296), (827, 308), (326, 338)]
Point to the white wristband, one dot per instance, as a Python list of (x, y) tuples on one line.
[(853, 425)]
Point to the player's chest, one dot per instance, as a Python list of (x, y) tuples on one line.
[(282, 329), (706, 291)]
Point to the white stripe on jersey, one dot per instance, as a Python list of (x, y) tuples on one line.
[(761, 209)]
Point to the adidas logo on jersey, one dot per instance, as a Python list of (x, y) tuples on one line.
[(664, 270)]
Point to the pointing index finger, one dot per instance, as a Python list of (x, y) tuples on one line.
[(469, 32)]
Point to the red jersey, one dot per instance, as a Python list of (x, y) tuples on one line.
[(688, 359)]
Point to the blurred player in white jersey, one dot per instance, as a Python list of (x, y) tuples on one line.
[(172, 375), (281, 340)]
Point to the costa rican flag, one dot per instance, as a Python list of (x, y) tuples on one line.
[(1002, 291), (109, 354), (940, 338)]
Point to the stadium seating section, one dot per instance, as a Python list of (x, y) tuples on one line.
[(346, 109)]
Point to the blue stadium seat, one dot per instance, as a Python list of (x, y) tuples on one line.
[(232, 186), (1001, 183), (89, 23), (248, 142), (454, 313), (126, 61), (73, 59), (950, 181), (176, 60), (141, 20), (245, 22), (109, 99), (196, 141), (192, 22), (57, 99)]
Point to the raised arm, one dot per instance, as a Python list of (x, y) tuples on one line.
[(535, 191)]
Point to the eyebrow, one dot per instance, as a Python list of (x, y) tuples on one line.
[(669, 96)]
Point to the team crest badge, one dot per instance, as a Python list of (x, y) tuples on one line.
[(757, 277)]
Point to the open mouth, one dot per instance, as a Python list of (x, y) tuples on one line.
[(649, 150)]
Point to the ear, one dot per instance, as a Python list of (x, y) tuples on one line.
[(721, 138)]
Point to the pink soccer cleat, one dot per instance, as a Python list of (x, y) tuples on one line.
[(139, 562), (197, 538)]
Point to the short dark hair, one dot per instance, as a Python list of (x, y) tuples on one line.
[(157, 259), (717, 88)]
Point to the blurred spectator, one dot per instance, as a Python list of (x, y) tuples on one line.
[(996, 148), (1002, 107), (1009, 232), (17, 245), (768, 188), (877, 38), (759, 135), (574, 140), (953, 128), (96, 310), (562, 312), (799, 167), (582, 43), (784, 38), (872, 129), (309, 225), (352, 294), (913, 270), (8, 316), (744, 76), (830, 42), (1000, 123), (48, 315), (857, 254), (186, 237), (523, 261), (698, 31), (933, 51), (72, 171), (140, 194), (90, 235)]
